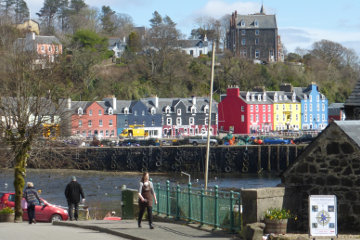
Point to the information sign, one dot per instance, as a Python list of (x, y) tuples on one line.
[(322, 215)]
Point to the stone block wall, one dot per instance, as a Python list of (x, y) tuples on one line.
[(329, 166)]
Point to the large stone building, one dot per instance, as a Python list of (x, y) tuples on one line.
[(255, 37)]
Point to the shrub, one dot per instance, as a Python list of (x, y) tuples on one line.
[(7, 210)]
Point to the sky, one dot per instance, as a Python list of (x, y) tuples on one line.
[(300, 23)]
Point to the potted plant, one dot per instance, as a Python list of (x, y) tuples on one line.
[(7, 214), (276, 220)]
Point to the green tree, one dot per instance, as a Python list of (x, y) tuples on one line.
[(21, 11), (47, 15), (107, 18), (134, 43)]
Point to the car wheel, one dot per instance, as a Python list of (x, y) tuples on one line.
[(55, 218), (212, 144), (195, 143)]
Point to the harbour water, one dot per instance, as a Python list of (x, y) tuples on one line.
[(103, 189)]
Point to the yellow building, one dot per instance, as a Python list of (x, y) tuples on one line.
[(29, 26), (287, 110)]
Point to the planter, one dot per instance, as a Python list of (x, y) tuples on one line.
[(7, 217), (277, 226)]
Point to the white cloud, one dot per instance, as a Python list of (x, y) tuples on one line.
[(294, 37)]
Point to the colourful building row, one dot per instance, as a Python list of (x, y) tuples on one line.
[(161, 117), (292, 108)]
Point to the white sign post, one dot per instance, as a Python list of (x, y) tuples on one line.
[(323, 215)]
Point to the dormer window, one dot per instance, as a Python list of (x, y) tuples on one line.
[(242, 23), (322, 96), (310, 98), (206, 109), (80, 111), (126, 110), (247, 96), (280, 97), (167, 110), (264, 96), (152, 111), (285, 97), (143, 112), (252, 97), (259, 97), (317, 98), (193, 109), (275, 97), (294, 97), (256, 23), (305, 97), (178, 111), (111, 111)]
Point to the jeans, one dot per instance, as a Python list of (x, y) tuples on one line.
[(76, 212), (31, 212), (141, 213)]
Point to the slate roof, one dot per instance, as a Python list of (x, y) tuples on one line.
[(244, 93), (264, 21), (350, 128), (288, 95), (192, 43), (30, 44), (335, 108), (354, 98)]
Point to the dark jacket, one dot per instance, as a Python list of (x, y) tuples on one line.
[(31, 196), (73, 191)]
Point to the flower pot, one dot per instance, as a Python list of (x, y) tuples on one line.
[(7, 217), (277, 226)]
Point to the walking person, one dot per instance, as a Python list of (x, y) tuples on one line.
[(72, 193), (32, 198), (146, 194)]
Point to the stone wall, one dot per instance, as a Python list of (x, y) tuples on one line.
[(329, 166)]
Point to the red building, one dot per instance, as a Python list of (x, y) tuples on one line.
[(245, 112), (93, 119)]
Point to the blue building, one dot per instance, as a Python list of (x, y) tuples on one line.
[(314, 107)]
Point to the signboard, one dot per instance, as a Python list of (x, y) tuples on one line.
[(322, 215)]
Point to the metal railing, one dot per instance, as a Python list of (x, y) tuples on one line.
[(212, 207)]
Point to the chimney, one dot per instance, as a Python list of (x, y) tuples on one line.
[(259, 89), (124, 40), (156, 101), (114, 102), (193, 100), (33, 35), (68, 103), (233, 91)]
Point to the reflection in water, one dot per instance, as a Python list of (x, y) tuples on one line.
[(103, 189)]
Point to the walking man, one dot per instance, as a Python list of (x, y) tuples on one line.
[(32, 199), (72, 193)]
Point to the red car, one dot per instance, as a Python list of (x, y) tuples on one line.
[(44, 211)]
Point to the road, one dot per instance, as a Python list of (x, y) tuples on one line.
[(47, 231)]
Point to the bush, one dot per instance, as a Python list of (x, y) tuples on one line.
[(7, 210), (277, 214)]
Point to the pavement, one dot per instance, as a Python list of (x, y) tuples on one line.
[(128, 229)]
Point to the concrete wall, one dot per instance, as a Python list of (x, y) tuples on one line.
[(256, 201)]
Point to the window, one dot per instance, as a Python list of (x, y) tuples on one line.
[(264, 117), (305, 107), (277, 106), (242, 118), (318, 107), (168, 121), (243, 53), (135, 113), (317, 98), (111, 111), (153, 122), (126, 122), (318, 117), (242, 108), (284, 117), (251, 117), (42, 48), (100, 123), (126, 111), (80, 111), (191, 52), (257, 117), (310, 118), (310, 107), (110, 122), (191, 121), (89, 133), (297, 107), (257, 108), (322, 96), (143, 112), (305, 117), (167, 110), (283, 107), (101, 133), (277, 117), (112, 133), (310, 98), (206, 121), (257, 32), (90, 112), (242, 23), (264, 108), (100, 113), (290, 106), (178, 111), (257, 54), (243, 32), (269, 108), (297, 117), (269, 117), (323, 107), (256, 23), (57, 49), (49, 48), (206, 109), (243, 41), (251, 108), (107, 133), (259, 97), (193, 110), (153, 111), (178, 121), (256, 41), (89, 123), (80, 123)]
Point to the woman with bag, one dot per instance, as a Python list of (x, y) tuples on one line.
[(32, 198), (146, 194)]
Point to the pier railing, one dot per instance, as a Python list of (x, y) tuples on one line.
[(219, 209)]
